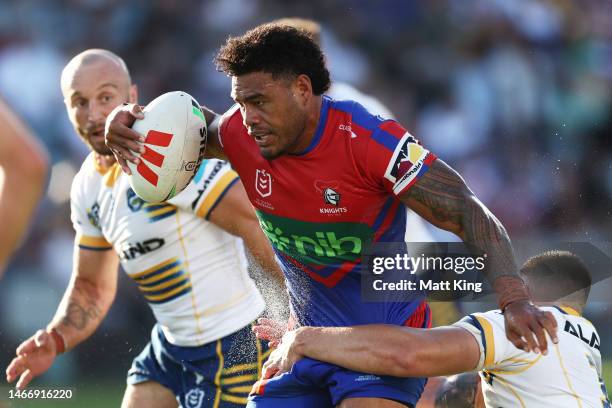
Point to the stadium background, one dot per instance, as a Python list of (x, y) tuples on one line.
[(516, 95)]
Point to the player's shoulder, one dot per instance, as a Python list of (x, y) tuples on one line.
[(483, 321), (211, 168), (359, 115), (342, 90), (87, 174), (231, 120)]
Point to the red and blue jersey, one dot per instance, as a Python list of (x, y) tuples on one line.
[(322, 208)]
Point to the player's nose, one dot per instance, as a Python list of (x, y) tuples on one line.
[(95, 113), (251, 118)]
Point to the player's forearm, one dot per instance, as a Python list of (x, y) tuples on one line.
[(81, 311), (259, 247), (444, 199), (374, 349), (391, 350)]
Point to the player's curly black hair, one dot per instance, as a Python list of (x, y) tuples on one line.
[(277, 49)]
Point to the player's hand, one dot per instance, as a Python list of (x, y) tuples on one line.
[(270, 330), (34, 357), (119, 136), (282, 359), (526, 326)]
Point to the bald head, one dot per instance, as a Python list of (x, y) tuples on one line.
[(93, 83), (95, 57)]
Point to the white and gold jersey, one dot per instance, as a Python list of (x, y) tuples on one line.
[(568, 376), (192, 273)]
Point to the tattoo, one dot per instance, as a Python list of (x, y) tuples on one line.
[(442, 198), (79, 315)]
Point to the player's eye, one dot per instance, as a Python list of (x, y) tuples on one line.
[(106, 98), (80, 103)]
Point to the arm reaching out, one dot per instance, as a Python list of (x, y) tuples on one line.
[(87, 299), (380, 349), (442, 198), (23, 171)]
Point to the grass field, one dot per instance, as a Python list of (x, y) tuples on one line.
[(109, 394)]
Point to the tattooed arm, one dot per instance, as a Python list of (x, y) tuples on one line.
[(89, 295), (442, 198)]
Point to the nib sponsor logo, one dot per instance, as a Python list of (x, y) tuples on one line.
[(151, 156), (317, 243)]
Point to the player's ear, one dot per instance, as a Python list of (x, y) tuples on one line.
[(302, 88), (133, 94)]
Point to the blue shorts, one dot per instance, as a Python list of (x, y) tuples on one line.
[(312, 383), (219, 374)]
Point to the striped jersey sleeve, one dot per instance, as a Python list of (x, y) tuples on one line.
[(84, 212), (213, 179), (397, 156), (385, 152), (489, 331)]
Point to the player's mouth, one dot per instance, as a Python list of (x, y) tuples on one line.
[(262, 139), (96, 134)]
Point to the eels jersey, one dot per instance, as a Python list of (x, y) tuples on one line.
[(192, 273), (322, 208), (568, 376)]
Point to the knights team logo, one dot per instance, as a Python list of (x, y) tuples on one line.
[(263, 183), (331, 196)]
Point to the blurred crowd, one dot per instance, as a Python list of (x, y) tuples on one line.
[(516, 95)]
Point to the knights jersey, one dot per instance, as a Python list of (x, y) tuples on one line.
[(192, 273), (568, 376), (322, 208)]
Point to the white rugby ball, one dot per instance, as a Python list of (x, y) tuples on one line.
[(175, 139)]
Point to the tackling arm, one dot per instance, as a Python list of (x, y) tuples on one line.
[(23, 171), (387, 350)]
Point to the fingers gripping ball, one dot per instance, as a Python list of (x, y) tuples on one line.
[(175, 139)]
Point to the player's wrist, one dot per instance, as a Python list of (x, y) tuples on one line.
[(510, 289), (59, 341), (300, 340)]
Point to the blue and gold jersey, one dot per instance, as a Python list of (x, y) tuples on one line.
[(568, 376), (192, 273)]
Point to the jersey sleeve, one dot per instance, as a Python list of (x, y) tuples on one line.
[(213, 179), (224, 127), (84, 213), (489, 331), (395, 158)]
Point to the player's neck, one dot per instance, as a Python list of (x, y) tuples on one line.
[(103, 162), (312, 123)]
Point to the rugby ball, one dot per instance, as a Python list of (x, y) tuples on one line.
[(175, 139)]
